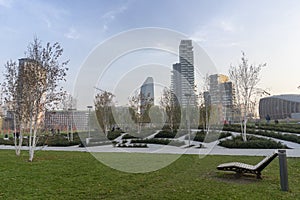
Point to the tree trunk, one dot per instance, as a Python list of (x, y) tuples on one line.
[(33, 144), (18, 149), (244, 131), (15, 135)]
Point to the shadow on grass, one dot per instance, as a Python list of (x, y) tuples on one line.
[(232, 177)]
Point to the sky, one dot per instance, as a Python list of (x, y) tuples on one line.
[(266, 30)]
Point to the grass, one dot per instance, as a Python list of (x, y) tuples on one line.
[(78, 175)]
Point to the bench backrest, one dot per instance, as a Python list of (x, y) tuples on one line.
[(265, 162)]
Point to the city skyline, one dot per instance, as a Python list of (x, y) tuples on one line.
[(266, 31)]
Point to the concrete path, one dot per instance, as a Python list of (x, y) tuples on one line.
[(210, 149)]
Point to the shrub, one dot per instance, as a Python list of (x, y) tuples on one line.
[(159, 141), (252, 143), (165, 134), (113, 135), (128, 136), (213, 136)]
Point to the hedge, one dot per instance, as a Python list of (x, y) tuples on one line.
[(252, 143)]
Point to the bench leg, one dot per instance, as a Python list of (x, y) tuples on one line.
[(258, 175), (238, 174)]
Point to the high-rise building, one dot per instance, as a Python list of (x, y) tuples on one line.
[(183, 78), (176, 82), (221, 94), (147, 93)]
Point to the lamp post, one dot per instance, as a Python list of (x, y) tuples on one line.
[(89, 124), (188, 123)]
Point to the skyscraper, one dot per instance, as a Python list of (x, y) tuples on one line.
[(176, 82), (147, 94), (221, 94), (183, 78)]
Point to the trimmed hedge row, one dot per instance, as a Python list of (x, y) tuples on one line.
[(160, 141), (252, 143), (213, 136), (165, 134), (53, 140), (281, 128), (252, 130), (286, 137), (128, 136)]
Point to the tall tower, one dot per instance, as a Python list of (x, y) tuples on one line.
[(176, 82), (147, 94), (183, 78)]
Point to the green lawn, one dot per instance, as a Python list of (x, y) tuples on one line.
[(77, 175)]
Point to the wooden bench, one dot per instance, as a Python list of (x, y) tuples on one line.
[(241, 168)]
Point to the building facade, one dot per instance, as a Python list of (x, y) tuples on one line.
[(221, 95), (279, 106), (67, 120), (183, 78), (147, 92)]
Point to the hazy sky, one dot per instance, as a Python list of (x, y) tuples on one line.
[(267, 31)]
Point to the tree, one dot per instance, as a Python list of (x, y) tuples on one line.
[(172, 108), (245, 78), (139, 107), (103, 105), (205, 104), (36, 87), (12, 96), (68, 104)]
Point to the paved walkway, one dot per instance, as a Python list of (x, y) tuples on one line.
[(210, 149)]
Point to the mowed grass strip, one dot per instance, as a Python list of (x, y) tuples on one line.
[(78, 175)]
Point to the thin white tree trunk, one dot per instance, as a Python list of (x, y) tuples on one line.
[(33, 144), (18, 153), (15, 135), (30, 133), (244, 132)]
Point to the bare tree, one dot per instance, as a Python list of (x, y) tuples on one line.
[(205, 104), (68, 105), (103, 105), (37, 88), (245, 78), (135, 110), (172, 108), (68, 102), (12, 96), (139, 107)]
